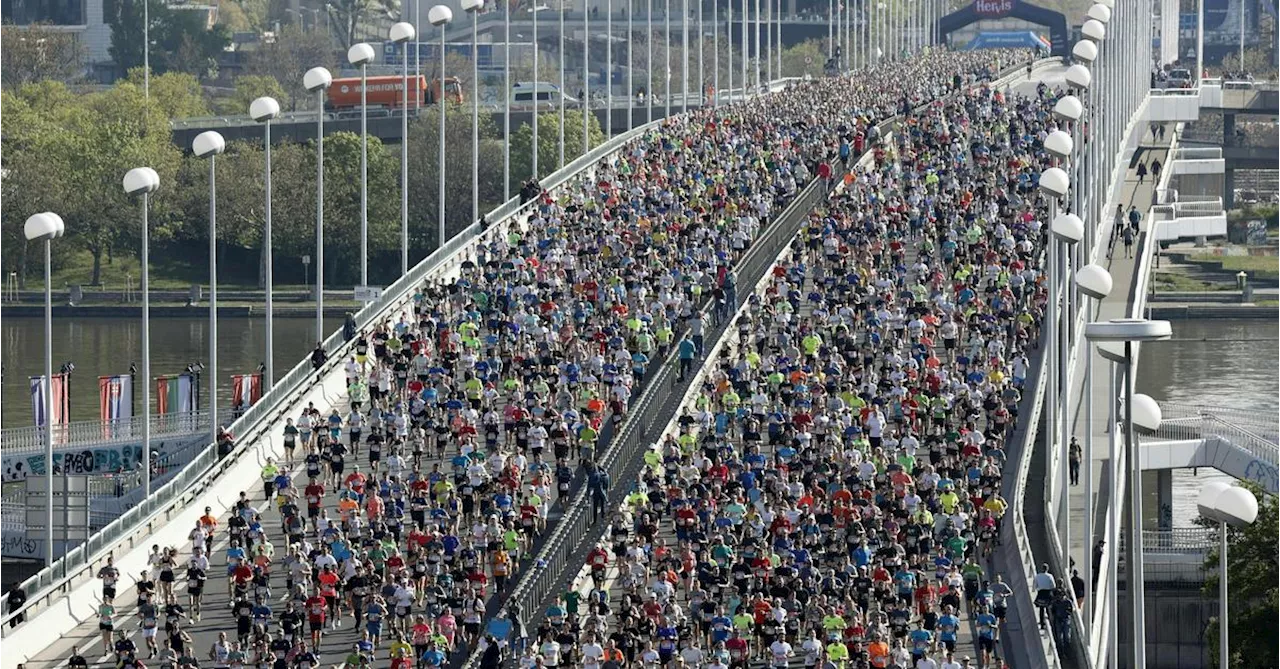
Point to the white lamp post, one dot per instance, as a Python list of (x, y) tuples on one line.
[(473, 7), (403, 33), (440, 16), (263, 110), (586, 75), (666, 49), (506, 97), (361, 55), (608, 68), (1055, 184), (210, 143), (1141, 413), (1094, 283), (1237, 507), (144, 181), (317, 80), (1067, 230), (47, 227), (564, 89)]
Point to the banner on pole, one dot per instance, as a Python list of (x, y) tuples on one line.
[(115, 403), (175, 394), (61, 403), (246, 390)]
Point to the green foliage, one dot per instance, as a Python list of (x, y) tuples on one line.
[(347, 15), (35, 52), (549, 143), (250, 87), (176, 94), (287, 59), (180, 40), (1254, 571)]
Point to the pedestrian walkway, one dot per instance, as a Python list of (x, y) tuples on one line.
[(1119, 304)]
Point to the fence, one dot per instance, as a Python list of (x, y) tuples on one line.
[(1206, 153), (1178, 540), (18, 440), (204, 470)]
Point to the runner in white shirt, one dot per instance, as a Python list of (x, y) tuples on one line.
[(812, 649), (781, 652)]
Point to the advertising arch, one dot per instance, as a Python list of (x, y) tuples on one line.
[(980, 10)]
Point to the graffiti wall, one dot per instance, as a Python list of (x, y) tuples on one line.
[(98, 459)]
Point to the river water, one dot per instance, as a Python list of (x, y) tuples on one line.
[(106, 346), (1213, 363)]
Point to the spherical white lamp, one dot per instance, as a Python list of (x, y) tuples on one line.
[(1067, 228), (1207, 502), (1094, 281), (1237, 506), (1085, 51), (1068, 108), (1078, 76), (360, 54), (1146, 414), (1054, 181), (317, 78), (1100, 13), (472, 6), (439, 15), (401, 32), (141, 180), (1094, 29), (47, 225), (208, 143), (1059, 144), (264, 109)]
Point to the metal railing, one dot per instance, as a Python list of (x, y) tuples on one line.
[(1183, 208), (203, 471), (16, 440), (1205, 153), (1178, 540)]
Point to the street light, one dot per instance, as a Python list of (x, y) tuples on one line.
[(263, 110), (1055, 184), (1094, 29), (317, 80), (440, 16), (1237, 507), (144, 181), (1100, 13), (473, 7), (402, 33), (1085, 51), (1141, 412), (361, 54), (210, 143), (47, 227), (1094, 283)]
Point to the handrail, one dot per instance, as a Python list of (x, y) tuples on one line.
[(30, 439), (200, 474)]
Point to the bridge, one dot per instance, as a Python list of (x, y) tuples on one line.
[(60, 593)]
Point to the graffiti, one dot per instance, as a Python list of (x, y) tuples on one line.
[(1263, 473), (99, 460), (992, 7), (20, 546)]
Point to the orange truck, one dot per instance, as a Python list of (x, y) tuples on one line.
[(388, 92)]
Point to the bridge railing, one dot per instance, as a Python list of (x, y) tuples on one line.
[(1177, 540), (1202, 153), (19, 440)]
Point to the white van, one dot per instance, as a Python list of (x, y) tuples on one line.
[(546, 95)]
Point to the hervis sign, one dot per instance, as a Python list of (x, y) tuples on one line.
[(993, 7)]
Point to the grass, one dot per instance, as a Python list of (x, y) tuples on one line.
[(1267, 267), (1181, 283), (169, 271)]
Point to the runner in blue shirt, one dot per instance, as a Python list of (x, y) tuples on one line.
[(921, 640), (948, 628)]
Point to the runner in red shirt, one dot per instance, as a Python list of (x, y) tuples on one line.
[(317, 609)]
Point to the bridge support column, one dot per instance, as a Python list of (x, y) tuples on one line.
[(1228, 189), (1164, 499)]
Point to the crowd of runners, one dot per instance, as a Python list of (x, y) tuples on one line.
[(832, 494), (393, 518)]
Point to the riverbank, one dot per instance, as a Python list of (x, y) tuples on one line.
[(1182, 312), (134, 310)]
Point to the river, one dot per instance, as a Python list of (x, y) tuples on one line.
[(106, 346), (1214, 363)]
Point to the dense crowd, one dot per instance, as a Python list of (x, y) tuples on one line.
[(832, 493), (476, 409)]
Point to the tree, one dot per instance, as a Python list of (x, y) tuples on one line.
[(288, 57), (35, 52), (180, 39), (176, 94), (424, 173), (250, 87), (350, 14), (1254, 571), (804, 59), (549, 142)]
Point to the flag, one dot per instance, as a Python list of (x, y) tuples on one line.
[(61, 402), (115, 402), (175, 394), (246, 390)]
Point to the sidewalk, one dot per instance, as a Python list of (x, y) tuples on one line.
[(1117, 305)]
